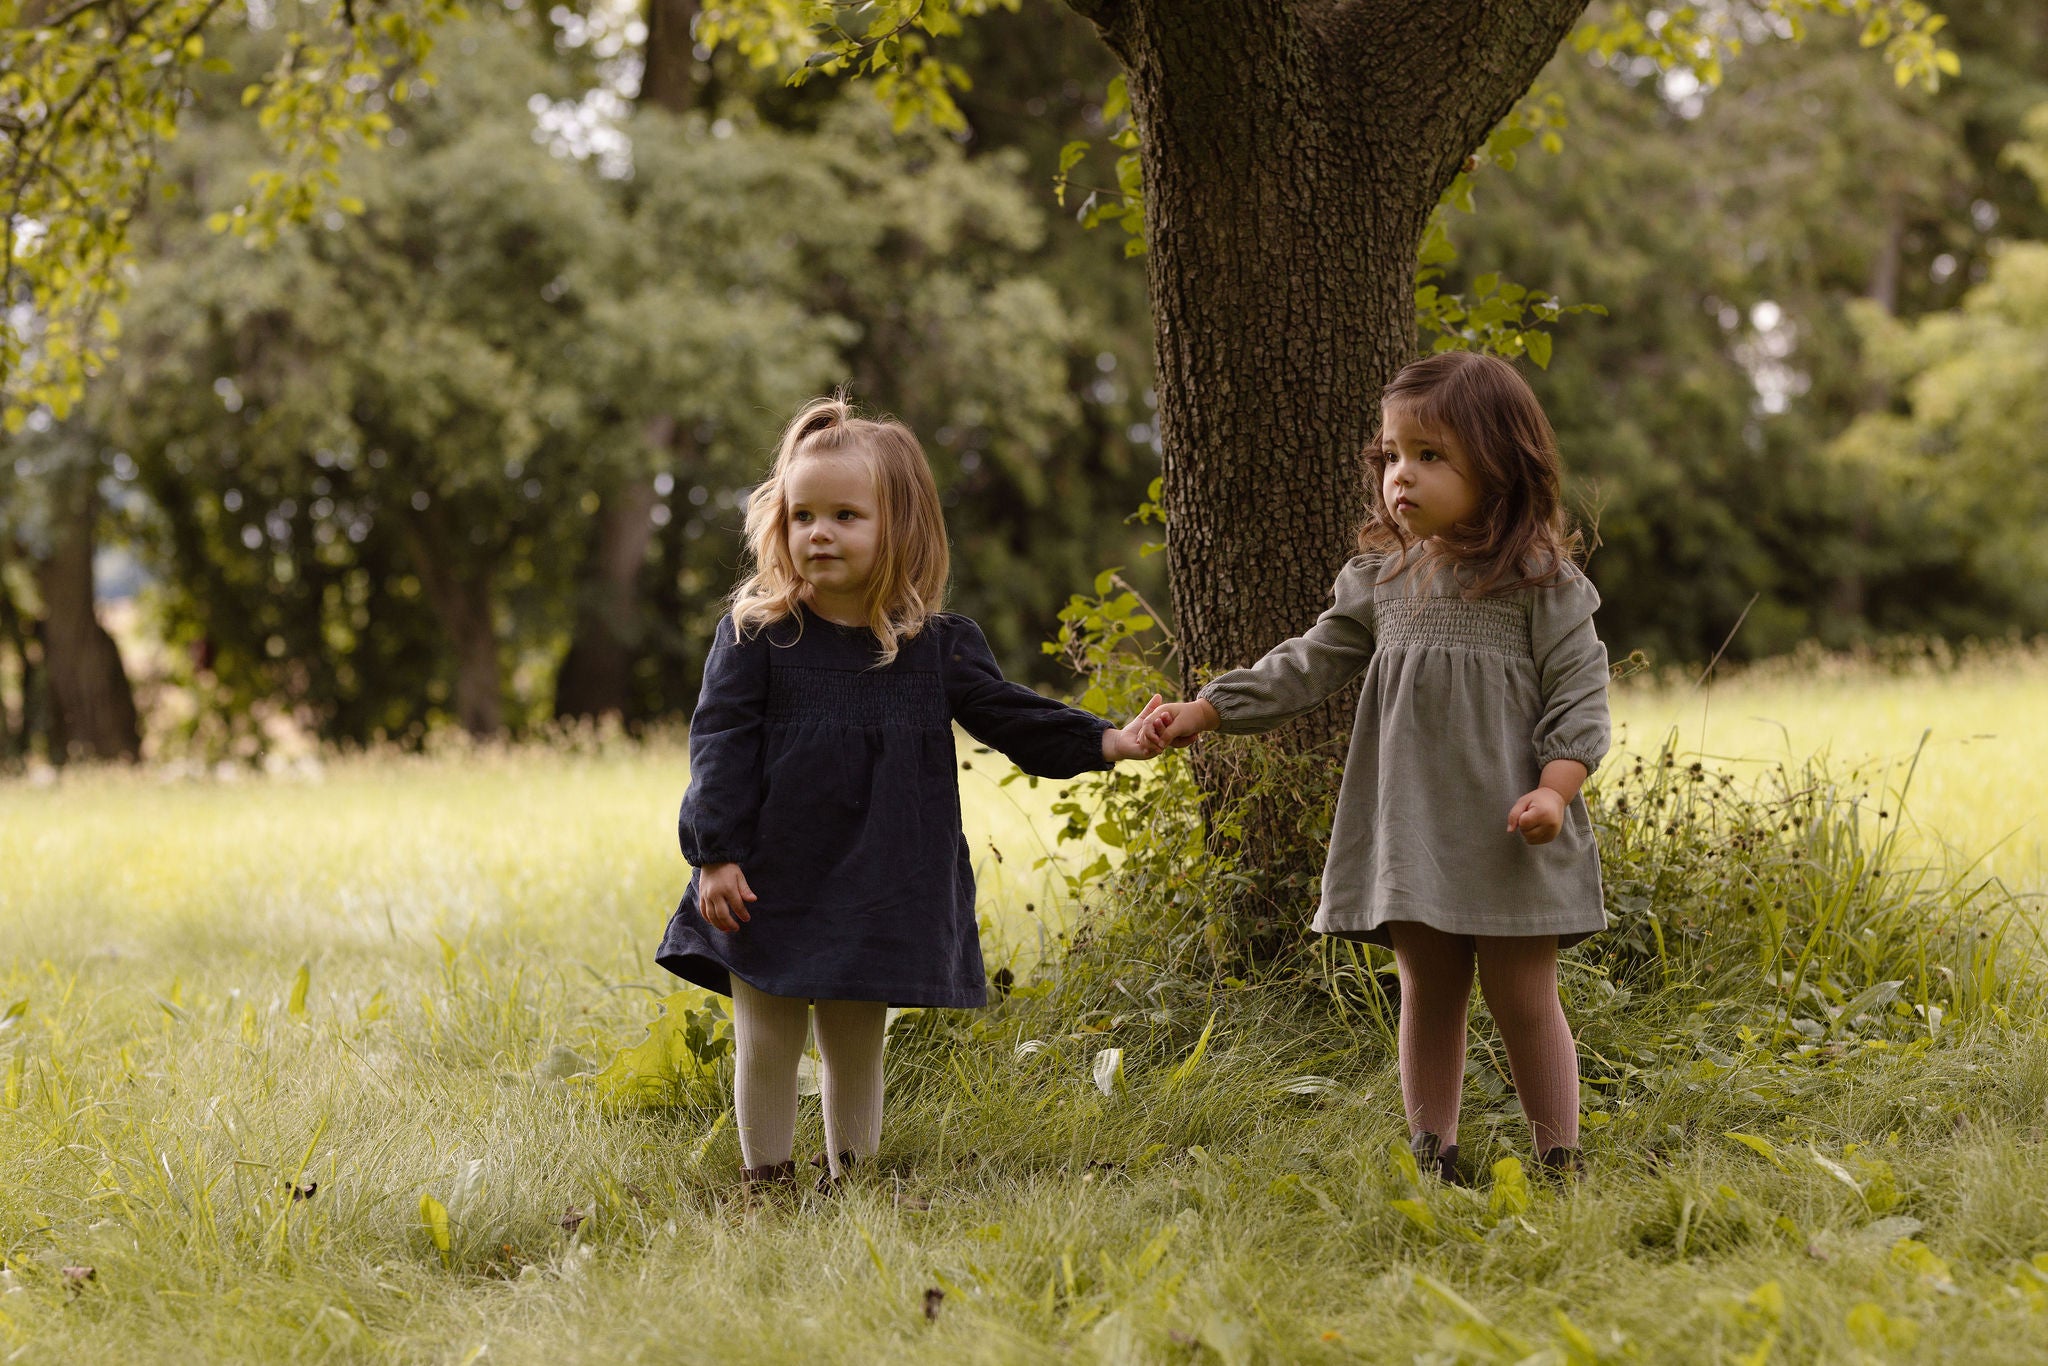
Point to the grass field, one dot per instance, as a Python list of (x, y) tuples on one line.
[(1980, 789), (373, 984)]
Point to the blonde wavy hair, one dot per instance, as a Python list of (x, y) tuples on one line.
[(911, 558)]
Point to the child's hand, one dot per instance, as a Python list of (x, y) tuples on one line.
[(1178, 723), (722, 894), (1134, 740), (1538, 816)]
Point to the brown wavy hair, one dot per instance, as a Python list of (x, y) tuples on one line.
[(911, 558), (1520, 538)]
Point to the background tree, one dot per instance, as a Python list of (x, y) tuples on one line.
[(91, 91), (1959, 457), (376, 451), (1730, 232)]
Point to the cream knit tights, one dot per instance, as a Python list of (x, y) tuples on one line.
[(768, 1039), (1519, 977)]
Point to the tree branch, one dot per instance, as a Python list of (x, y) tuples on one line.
[(1439, 74), (60, 20), (1109, 17)]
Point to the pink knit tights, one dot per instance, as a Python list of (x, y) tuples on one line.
[(1519, 977)]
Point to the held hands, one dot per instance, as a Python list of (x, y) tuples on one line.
[(1134, 739), (1159, 727), (722, 894), (1176, 724)]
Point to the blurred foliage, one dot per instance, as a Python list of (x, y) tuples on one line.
[(1962, 456), (1734, 234), (337, 455), (91, 95), (348, 442)]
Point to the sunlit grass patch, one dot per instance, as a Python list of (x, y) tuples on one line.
[(301, 1068), (1979, 780)]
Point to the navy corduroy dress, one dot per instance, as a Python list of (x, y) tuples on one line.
[(833, 784)]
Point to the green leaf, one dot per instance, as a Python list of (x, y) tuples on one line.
[(1417, 1213), (1763, 1147), (1116, 99), (434, 1218), (295, 1006), (655, 1070), (1538, 344), (1180, 1074), (1510, 1193)]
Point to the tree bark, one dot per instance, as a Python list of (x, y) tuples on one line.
[(1847, 598), (596, 676), (92, 706), (15, 634), (1293, 151), (668, 78), (462, 601)]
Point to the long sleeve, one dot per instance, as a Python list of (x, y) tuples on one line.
[(1571, 667), (1041, 736), (1298, 674), (724, 797)]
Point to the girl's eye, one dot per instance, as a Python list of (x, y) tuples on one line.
[(845, 515), (800, 518), (1428, 455)]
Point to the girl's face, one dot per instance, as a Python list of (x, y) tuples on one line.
[(834, 531), (1426, 483)]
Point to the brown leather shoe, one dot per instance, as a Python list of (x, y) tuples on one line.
[(826, 1181), (1562, 1165), (774, 1174), (1435, 1158)]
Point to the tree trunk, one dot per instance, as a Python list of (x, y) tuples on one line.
[(92, 707), (668, 78), (596, 676), (14, 637), (1292, 154), (1847, 601), (462, 601)]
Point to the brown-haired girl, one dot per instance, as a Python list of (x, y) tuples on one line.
[(823, 812), (1485, 696)]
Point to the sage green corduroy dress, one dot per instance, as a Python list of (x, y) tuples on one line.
[(1464, 702)]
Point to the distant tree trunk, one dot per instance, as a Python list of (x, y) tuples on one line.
[(14, 638), (462, 602), (1847, 597), (596, 676), (668, 80), (1292, 153), (92, 707)]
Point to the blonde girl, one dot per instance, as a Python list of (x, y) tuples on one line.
[(1460, 838), (823, 810)]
